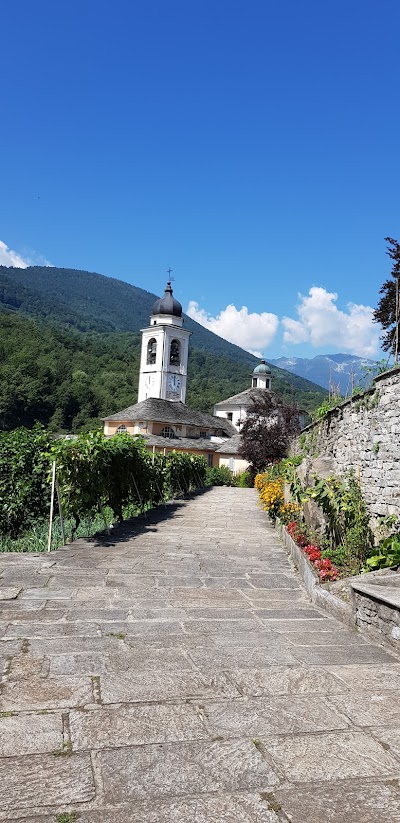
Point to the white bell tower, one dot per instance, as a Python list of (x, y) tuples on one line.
[(165, 349)]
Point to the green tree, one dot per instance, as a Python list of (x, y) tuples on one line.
[(387, 310)]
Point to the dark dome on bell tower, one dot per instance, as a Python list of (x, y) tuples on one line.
[(167, 304)]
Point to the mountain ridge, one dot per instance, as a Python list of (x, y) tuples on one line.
[(343, 371)]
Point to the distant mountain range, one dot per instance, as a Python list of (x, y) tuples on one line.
[(70, 348), (343, 371)]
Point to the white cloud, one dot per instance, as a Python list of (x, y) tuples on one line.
[(8, 257), (253, 332), (30, 257), (322, 324)]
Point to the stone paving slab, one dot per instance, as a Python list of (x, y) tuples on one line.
[(136, 687), (372, 709), (44, 780), (31, 733), (177, 672), (330, 756), (341, 801), (278, 680), (264, 715), (137, 725), (9, 592), (178, 769), (364, 678), (229, 808), (44, 693)]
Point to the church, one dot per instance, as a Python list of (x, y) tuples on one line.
[(161, 416)]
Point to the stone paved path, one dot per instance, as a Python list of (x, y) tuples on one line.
[(177, 673)]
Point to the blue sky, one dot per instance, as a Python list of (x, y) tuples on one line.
[(251, 146)]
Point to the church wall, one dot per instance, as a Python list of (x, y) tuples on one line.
[(112, 427), (231, 461), (238, 415)]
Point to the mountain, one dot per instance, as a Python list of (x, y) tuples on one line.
[(343, 371), (70, 348), (89, 302)]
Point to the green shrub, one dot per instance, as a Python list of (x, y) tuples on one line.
[(220, 476), (244, 480), (24, 490), (386, 554)]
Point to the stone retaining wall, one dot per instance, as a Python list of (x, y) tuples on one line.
[(377, 618), (319, 595), (362, 434)]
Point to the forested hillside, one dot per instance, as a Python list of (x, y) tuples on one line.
[(70, 347)]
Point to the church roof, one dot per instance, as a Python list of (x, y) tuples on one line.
[(167, 304), (200, 443), (172, 411), (230, 446), (244, 398)]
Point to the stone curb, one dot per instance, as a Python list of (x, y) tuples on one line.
[(318, 594)]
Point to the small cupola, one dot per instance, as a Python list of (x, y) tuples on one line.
[(261, 377)]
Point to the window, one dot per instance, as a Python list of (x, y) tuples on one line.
[(268, 384), (151, 351), (175, 353), (122, 428), (254, 384), (203, 434), (229, 415), (167, 432), (210, 460)]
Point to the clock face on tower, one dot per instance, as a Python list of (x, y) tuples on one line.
[(174, 383)]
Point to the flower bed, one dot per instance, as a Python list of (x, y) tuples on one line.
[(271, 495), (326, 571)]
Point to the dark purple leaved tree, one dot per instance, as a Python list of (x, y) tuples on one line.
[(269, 427)]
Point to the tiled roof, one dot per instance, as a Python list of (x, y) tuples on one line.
[(171, 411), (231, 446), (200, 443), (244, 398)]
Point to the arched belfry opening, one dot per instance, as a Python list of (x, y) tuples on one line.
[(175, 353), (151, 352)]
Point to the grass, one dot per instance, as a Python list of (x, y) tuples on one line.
[(35, 540)]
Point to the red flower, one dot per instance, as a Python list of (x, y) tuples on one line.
[(313, 552)]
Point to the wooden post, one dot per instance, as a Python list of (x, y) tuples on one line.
[(53, 483), (60, 512), (104, 518)]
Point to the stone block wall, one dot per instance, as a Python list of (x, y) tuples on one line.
[(378, 619), (362, 434)]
